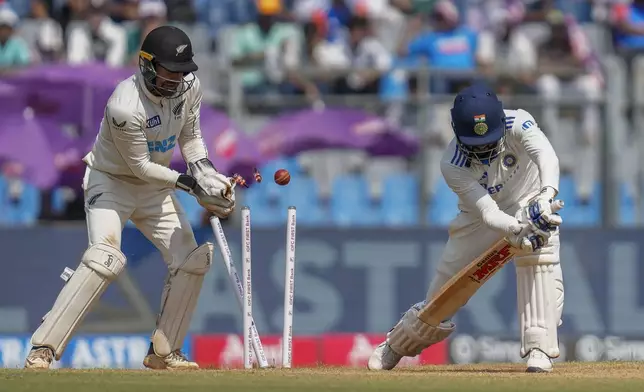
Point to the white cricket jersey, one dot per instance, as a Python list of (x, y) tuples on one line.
[(140, 131), (526, 164)]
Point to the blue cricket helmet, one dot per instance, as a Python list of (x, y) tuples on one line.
[(478, 121)]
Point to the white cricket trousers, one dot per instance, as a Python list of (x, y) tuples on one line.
[(156, 212)]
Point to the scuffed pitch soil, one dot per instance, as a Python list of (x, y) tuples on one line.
[(573, 377)]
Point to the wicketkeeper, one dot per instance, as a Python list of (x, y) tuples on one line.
[(128, 178)]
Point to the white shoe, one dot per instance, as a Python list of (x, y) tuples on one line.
[(383, 358), (538, 362), (39, 358), (175, 361)]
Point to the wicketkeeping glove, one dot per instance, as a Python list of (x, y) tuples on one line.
[(213, 190)]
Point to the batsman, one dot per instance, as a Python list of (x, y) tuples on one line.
[(506, 175), (128, 178)]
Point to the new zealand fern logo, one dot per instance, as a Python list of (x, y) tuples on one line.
[(118, 125)]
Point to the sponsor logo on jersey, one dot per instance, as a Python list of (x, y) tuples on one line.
[(119, 125), (164, 145), (527, 124), (153, 122)]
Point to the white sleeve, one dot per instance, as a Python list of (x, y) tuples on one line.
[(538, 148), (379, 55), (486, 47), (117, 38), (79, 48), (190, 140), (127, 133), (523, 52), (476, 198)]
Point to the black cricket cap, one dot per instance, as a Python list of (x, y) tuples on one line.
[(171, 48)]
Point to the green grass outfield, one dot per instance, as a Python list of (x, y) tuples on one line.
[(586, 377)]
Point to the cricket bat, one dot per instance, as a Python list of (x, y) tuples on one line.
[(461, 287)]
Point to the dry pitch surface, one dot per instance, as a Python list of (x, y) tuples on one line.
[(586, 377)]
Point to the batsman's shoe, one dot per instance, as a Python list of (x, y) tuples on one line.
[(383, 358), (175, 361), (39, 358), (538, 362)]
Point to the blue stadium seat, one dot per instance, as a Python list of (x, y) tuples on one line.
[(576, 213), (400, 200), (350, 202), (303, 193), (191, 207), (627, 208), (58, 202), (24, 211), (443, 205), (264, 212)]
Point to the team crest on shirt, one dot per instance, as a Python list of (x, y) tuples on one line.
[(178, 109), (509, 161), (480, 128)]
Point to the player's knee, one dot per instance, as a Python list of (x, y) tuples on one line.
[(106, 260), (198, 261), (411, 335)]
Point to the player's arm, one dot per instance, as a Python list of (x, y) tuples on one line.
[(543, 155), (214, 190), (540, 151), (126, 128), (476, 198), (190, 140)]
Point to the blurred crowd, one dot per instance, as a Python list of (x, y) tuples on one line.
[(312, 49)]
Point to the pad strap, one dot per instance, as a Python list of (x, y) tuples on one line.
[(411, 335)]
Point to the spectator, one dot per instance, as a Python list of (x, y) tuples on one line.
[(312, 54), (124, 10), (448, 46), (568, 64), (628, 22), (387, 21), (414, 7), (337, 14), (182, 11), (101, 40), (49, 42), (151, 14), (263, 45), (14, 52), (72, 10), (365, 53), (505, 50)]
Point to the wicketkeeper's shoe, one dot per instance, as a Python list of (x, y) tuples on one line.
[(175, 361), (383, 358), (538, 362), (39, 358)]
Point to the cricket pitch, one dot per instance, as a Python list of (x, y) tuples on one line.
[(595, 377)]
